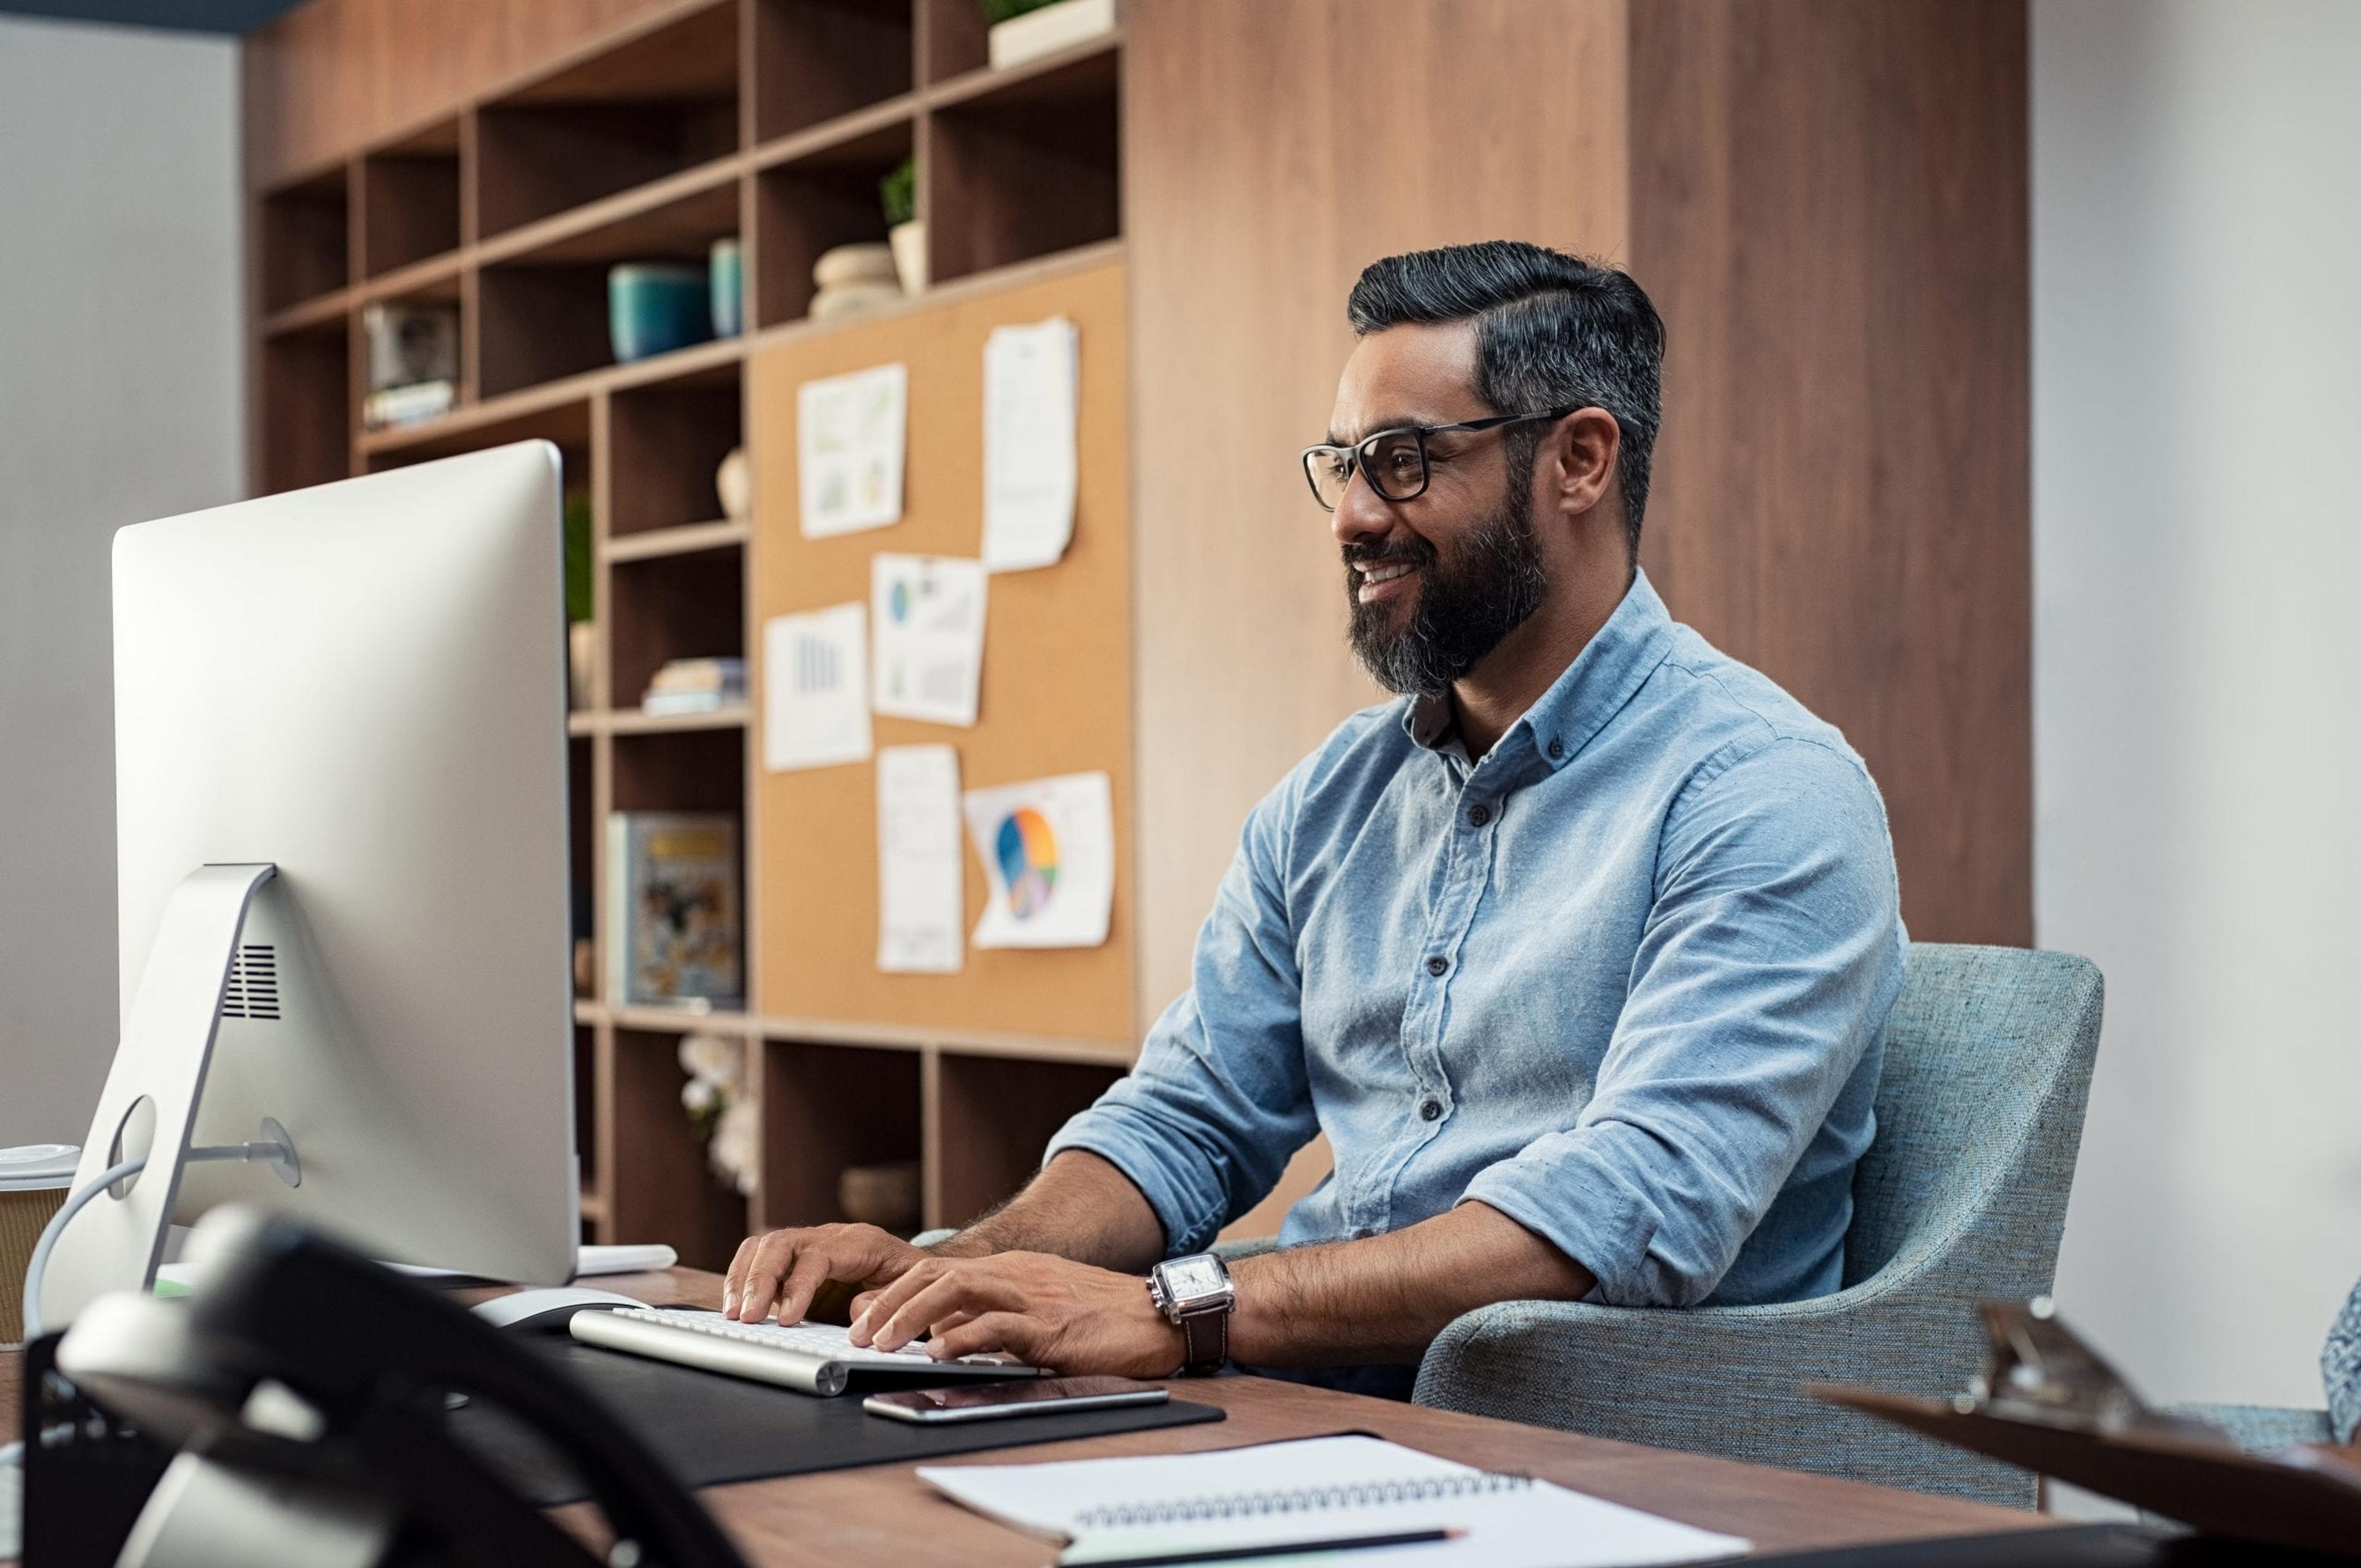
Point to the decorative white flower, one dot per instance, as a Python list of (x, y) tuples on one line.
[(737, 1149), (700, 1095), (716, 1058)]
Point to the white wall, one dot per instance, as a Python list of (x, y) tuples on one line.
[(121, 397), (2197, 665)]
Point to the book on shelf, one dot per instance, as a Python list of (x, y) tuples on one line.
[(412, 343), (696, 685), (674, 916), (407, 405)]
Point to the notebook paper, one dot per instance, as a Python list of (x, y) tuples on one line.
[(1320, 1489)]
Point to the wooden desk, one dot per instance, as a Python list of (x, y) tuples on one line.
[(883, 1514)]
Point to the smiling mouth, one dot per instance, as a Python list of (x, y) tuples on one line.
[(1375, 580)]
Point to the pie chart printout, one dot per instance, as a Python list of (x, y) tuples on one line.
[(1027, 851)]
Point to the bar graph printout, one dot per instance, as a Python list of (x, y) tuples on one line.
[(815, 689)]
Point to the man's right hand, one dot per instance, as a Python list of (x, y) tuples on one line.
[(789, 1268)]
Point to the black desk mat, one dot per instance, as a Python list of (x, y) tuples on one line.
[(710, 1429)]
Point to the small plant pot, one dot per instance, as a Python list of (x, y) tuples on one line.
[(909, 243)]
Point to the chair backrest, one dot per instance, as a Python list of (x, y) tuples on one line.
[(1988, 1056)]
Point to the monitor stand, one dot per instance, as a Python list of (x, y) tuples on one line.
[(151, 1095)]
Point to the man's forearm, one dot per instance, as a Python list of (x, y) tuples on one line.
[(1385, 1299), (1079, 1206)]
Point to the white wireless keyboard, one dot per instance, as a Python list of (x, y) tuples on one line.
[(815, 1358)]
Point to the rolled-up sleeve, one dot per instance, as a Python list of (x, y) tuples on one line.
[(1219, 1101), (1770, 959)]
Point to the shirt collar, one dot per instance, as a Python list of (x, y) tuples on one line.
[(1590, 691)]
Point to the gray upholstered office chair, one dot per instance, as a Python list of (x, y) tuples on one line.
[(1962, 1198)]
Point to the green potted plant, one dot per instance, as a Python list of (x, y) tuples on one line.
[(898, 192)]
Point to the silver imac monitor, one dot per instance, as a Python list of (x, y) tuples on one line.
[(340, 818)]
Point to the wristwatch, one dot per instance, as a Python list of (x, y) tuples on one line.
[(1196, 1292)]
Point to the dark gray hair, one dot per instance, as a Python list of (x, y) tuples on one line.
[(1551, 329)]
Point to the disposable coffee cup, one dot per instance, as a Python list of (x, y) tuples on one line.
[(34, 1180)]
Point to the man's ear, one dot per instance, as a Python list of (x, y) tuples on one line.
[(1584, 453)]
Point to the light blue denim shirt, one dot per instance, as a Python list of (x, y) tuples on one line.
[(1623, 980)]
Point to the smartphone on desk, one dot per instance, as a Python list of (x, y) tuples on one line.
[(990, 1401)]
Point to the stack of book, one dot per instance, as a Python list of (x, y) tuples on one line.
[(413, 361), (696, 685)]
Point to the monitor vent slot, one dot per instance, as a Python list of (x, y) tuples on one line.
[(253, 990)]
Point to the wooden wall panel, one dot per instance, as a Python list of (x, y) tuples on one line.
[(1828, 205), (1057, 669), (332, 74), (1272, 150)]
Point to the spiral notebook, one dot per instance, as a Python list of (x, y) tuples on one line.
[(1319, 1489)]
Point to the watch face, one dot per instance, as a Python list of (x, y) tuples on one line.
[(1194, 1276)]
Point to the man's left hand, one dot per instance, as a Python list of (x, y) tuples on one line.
[(1044, 1310)]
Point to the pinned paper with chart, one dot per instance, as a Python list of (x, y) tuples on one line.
[(1047, 848), (921, 893), (850, 431), (815, 689), (928, 615), (1031, 386)]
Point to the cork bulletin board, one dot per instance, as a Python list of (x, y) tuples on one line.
[(1056, 679)]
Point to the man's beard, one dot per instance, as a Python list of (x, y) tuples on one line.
[(1491, 586)]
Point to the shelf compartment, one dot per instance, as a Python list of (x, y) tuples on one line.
[(996, 1117), (586, 1105), (543, 310), (1025, 162), (306, 232), (811, 203), (681, 770), (818, 59), (653, 106), (667, 441), (824, 1108), (672, 607), (581, 843), (660, 1189), (307, 389), (410, 201)]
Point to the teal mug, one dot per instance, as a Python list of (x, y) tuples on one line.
[(655, 307)]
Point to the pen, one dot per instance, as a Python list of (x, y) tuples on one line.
[(1275, 1549)]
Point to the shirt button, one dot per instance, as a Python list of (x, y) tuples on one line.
[(1428, 1110), (1558, 748), (1437, 965), (1479, 816)]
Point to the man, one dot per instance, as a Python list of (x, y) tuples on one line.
[(1579, 953)]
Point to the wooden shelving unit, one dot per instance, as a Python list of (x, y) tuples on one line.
[(772, 121)]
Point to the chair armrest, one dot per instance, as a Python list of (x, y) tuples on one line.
[(1727, 1380), (2261, 1429)]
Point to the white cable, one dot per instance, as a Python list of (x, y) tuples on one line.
[(259, 1154)]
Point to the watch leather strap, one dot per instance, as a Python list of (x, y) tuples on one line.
[(1205, 1341)]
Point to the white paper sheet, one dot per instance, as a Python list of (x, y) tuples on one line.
[(921, 895), (851, 432), (1047, 846), (1534, 1525), (1031, 385), (927, 614), (815, 689)]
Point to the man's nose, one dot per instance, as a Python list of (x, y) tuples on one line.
[(1362, 516)]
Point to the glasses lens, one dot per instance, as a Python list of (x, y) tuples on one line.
[(1395, 464), (1329, 470)]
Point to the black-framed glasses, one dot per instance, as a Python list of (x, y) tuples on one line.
[(1394, 461)]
